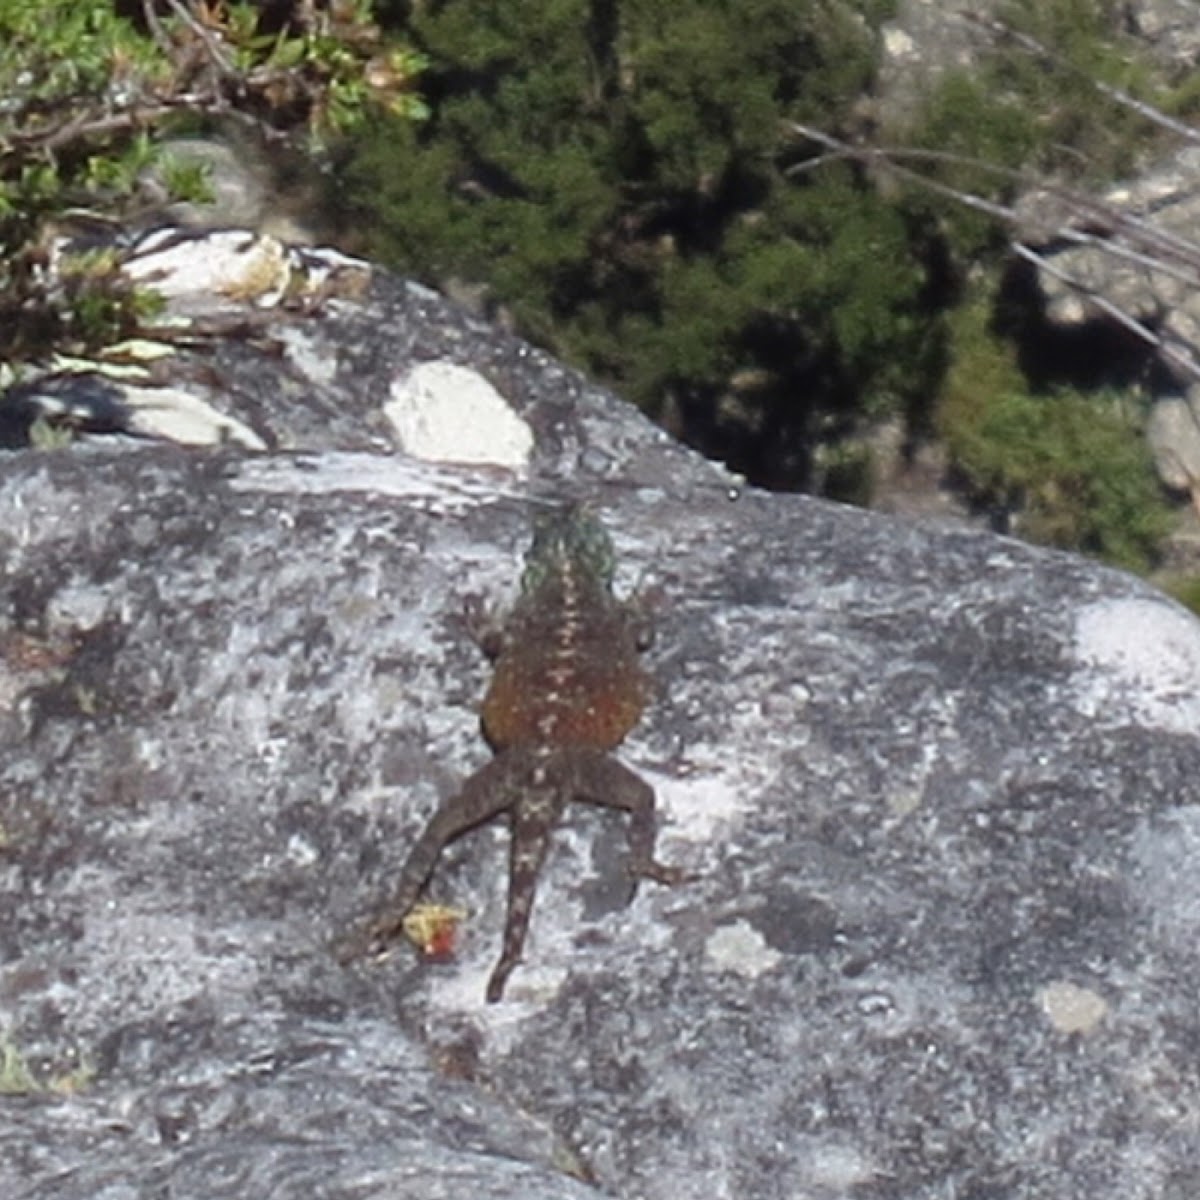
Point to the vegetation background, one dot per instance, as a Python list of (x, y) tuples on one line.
[(625, 182)]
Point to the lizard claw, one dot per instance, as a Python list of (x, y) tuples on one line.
[(660, 873)]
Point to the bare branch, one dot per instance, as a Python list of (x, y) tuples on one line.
[(155, 26), (84, 125), (1149, 246), (1185, 360), (212, 44), (1101, 212)]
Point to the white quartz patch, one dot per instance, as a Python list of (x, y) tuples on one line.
[(1139, 662), (1071, 1008), (443, 412), (740, 949)]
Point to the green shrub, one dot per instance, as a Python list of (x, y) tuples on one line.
[(1072, 468), (1185, 589), (86, 83), (616, 175)]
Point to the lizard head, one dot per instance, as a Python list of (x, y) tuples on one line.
[(569, 538)]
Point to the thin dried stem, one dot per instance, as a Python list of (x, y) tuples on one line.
[(155, 26), (211, 43), (1142, 243)]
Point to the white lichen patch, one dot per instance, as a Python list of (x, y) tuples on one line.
[(1139, 662), (442, 412), (740, 949), (1071, 1008), (1164, 851), (699, 807), (231, 264), (308, 356), (836, 1167), (301, 852), (178, 416), (898, 44), (79, 606), (220, 270), (431, 489)]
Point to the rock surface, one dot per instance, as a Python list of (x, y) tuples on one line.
[(939, 788), (921, 43), (1167, 28)]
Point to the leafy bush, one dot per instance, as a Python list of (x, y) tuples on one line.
[(1185, 589), (1073, 468), (85, 85), (616, 174)]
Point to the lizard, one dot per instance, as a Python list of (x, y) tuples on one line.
[(567, 687)]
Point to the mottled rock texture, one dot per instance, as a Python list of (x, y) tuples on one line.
[(940, 791)]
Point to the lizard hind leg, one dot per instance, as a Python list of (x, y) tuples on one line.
[(534, 817), (601, 779), (489, 791)]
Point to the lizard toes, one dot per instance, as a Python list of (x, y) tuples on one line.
[(660, 873)]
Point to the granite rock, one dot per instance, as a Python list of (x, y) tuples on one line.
[(939, 790)]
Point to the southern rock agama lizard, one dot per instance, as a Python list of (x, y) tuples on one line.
[(566, 690)]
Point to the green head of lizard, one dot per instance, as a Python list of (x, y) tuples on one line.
[(569, 539)]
